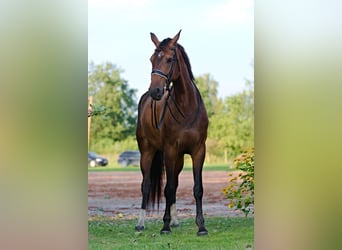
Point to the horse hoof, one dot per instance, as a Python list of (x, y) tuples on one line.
[(139, 228), (175, 225), (202, 233), (165, 231)]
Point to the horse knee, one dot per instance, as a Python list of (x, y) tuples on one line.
[(198, 192)]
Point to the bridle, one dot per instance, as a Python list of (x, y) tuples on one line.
[(168, 76)]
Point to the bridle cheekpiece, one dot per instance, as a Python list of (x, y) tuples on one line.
[(168, 76)]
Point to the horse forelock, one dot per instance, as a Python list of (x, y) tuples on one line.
[(164, 44)]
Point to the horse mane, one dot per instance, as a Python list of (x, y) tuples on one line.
[(186, 60), (164, 45)]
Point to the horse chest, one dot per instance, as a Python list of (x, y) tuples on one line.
[(168, 136)]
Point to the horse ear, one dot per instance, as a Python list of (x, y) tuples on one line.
[(175, 39), (154, 39)]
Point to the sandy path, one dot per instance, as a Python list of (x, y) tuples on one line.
[(118, 194)]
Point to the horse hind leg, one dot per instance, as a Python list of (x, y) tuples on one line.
[(173, 211), (141, 221), (146, 161), (174, 221), (170, 208), (167, 216), (179, 167), (145, 190)]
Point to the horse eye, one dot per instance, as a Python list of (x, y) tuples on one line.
[(169, 60)]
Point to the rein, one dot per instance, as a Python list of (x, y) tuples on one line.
[(166, 105)]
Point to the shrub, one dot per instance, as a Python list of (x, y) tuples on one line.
[(240, 191)]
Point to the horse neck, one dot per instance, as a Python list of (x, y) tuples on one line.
[(185, 92)]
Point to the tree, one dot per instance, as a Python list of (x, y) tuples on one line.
[(208, 88), (240, 122), (109, 90), (233, 127)]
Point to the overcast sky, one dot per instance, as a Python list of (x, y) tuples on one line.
[(217, 35)]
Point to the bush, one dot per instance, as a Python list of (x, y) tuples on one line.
[(107, 146), (240, 191)]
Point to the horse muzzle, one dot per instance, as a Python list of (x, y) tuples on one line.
[(156, 93)]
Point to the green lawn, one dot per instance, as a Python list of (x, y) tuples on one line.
[(187, 167), (224, 233)]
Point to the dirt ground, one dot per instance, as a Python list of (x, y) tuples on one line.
[(118, 194)]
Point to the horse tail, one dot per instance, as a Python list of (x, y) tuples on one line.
[(157, 170)]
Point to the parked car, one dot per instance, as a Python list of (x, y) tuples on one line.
[(96, 160), (129, 158)]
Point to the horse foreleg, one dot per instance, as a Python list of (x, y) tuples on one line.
[(167, 215), (198, 191)]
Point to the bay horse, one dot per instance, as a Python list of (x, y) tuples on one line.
[(172, 121)]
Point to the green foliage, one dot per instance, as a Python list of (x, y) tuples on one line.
[(106, 145), (118, 107), (118, 233), (231, 121), (208, 88), (97, 110), (240, 191), (113, 166), (232, 128)]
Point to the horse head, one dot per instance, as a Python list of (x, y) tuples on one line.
[(164, 60)]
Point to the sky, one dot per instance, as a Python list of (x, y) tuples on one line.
[(218, 36)]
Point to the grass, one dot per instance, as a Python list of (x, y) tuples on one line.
[(115, 167), (187, 167), (224, 233)]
